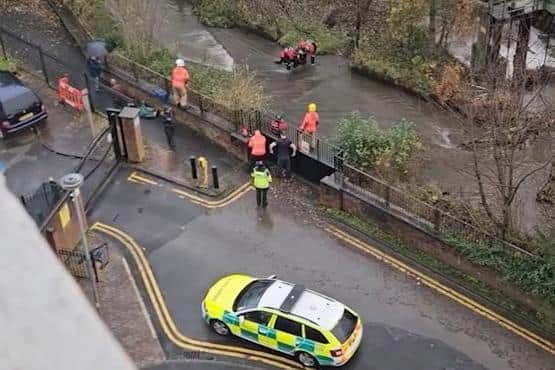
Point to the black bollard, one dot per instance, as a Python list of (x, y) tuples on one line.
[(215, 177), (193, 161)]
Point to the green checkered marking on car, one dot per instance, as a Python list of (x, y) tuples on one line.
[(267, 332), (305, 344), (285, 347), (323, 360), (229, 318), (249, 335)]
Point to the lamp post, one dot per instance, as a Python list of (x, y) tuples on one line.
[(72, 182)]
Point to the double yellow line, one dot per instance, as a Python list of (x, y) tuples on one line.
[(206, 203), (440, 288), (166, 322), (236, 194), (138, 179)]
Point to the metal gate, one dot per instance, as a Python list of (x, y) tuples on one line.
[(40, 204)]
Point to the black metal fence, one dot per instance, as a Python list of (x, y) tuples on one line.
[(40, 203), (38, 62)]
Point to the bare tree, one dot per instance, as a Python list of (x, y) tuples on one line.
[(137, 21), (502, 161)]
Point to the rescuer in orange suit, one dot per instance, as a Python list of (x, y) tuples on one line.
[(180, 80), (257, 148), (310, 123)]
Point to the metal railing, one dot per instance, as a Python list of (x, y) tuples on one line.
[(410, 207), (38, 62)]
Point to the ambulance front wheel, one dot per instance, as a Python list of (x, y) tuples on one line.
[(219, 327), (306, 359)]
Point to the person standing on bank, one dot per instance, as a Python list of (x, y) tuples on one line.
[(169, 126), (310, 123), (180, 81), (261, 180), (284, 149), (257, 147), (95, 69)]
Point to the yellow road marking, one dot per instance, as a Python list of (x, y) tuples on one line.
[(236, 194), (132, 179), (437, 286), (138, 178), (182, 194), (165, 319)]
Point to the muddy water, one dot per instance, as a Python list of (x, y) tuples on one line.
[(337, 91), (182, 33)]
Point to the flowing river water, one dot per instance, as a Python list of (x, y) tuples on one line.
[(337, 91)]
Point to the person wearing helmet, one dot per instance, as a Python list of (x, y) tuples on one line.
[(261, 179), (180, 81), (278, 125), (288, 56), (305, 49), (309, 125)]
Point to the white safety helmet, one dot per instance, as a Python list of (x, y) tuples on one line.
[(180, 63)]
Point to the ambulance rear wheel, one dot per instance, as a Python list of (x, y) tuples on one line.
[(306, 359), (219, 327)]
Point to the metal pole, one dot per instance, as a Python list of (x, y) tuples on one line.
[(79, 208), (43, 65), (2, 45), (215, 177), (72, 182), (193, 161)]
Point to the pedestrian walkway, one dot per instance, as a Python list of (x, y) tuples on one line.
[(123, 310), (174, 165)]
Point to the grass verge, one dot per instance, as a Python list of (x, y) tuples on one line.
[(542, 316)]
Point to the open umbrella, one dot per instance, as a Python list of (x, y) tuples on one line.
[(97, 49)]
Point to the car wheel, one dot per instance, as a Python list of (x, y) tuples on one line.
[(219, 327), (306, 359)]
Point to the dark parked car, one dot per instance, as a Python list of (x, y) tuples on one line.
[(20, 107)]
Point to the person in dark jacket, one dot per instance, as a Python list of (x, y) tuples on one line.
[(95, 69), (283, 149), (169, 126)]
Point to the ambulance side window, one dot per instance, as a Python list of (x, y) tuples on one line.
[(288, 326), (259, 317), (314, 335)]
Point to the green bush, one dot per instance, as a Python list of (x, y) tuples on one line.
[(215, 13), (328, 41), (8, 64), (368, 147), (535, 276), (414, 75)]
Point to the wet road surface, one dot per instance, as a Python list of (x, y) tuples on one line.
[(406, 325)]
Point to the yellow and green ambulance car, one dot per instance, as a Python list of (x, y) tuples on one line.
[(286, 317)]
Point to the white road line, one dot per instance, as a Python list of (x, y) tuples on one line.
[(143, 307)]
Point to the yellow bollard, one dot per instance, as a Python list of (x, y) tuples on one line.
[(203, 178)]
